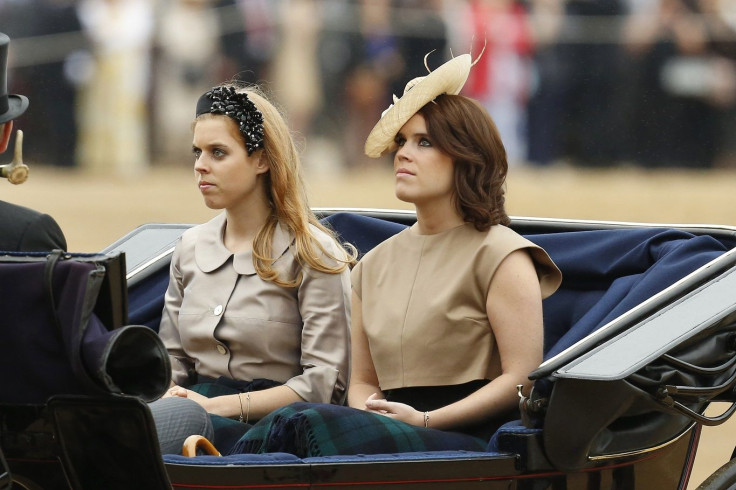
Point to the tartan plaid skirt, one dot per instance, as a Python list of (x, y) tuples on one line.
[(228, 431), (316, 429)]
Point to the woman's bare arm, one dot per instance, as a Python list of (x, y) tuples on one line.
[(363, 378), (514, 308)]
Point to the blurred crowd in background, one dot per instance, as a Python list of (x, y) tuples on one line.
[(113, 83)]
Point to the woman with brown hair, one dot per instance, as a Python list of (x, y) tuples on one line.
[(447, 314)]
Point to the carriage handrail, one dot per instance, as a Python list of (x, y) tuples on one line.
[(709, 421), (699, 369)]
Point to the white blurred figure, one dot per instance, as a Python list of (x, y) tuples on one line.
[(186, 66), (295, 74), (114, 116)]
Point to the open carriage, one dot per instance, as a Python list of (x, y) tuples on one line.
[(639, 340)]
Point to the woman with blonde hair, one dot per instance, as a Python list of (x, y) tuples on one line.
[(257, 312)]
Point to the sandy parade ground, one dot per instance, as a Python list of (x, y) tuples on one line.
[(94, 210)]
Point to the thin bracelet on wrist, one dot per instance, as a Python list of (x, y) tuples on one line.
[(240, 400), (426, 420)]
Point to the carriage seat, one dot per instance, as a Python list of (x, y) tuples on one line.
[(606, 272)]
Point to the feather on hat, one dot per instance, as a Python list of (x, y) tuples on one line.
[(447, 79)]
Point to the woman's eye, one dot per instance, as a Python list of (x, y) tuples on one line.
[(218, 153), (196, 152), (424, 142), (399, 141)]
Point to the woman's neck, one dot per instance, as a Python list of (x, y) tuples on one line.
[(243, 224), (436, 217)]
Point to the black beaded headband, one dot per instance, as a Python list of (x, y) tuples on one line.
[(229, 102)]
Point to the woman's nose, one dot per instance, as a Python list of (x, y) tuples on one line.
[(199, 165), (402, 153)]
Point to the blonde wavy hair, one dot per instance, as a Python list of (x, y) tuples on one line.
[(284, 185)]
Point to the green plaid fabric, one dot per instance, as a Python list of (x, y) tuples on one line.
[(314, 429), (228, 431), (211, 390)]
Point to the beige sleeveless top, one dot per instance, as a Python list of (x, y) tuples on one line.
[(424, 303)]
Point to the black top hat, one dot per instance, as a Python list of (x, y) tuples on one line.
[(11, 106)]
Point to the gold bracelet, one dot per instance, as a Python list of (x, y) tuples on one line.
[(426, 420), (240, 400), (247, 413)]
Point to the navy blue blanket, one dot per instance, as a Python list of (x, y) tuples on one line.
[(608, 272)]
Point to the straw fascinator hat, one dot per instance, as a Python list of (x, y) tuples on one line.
[(447, 79)]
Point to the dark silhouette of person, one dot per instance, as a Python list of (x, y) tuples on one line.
[(21, 229)]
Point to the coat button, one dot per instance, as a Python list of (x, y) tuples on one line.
[(221, 349), (218, 310)]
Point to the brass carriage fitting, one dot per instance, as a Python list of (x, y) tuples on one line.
[(530, 406), (16, 171)]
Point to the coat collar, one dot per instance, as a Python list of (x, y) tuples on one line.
[(210, 252)]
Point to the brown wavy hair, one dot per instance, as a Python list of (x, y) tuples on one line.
[(462, 128)]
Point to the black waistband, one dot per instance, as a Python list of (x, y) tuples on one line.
[(238, 385)]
